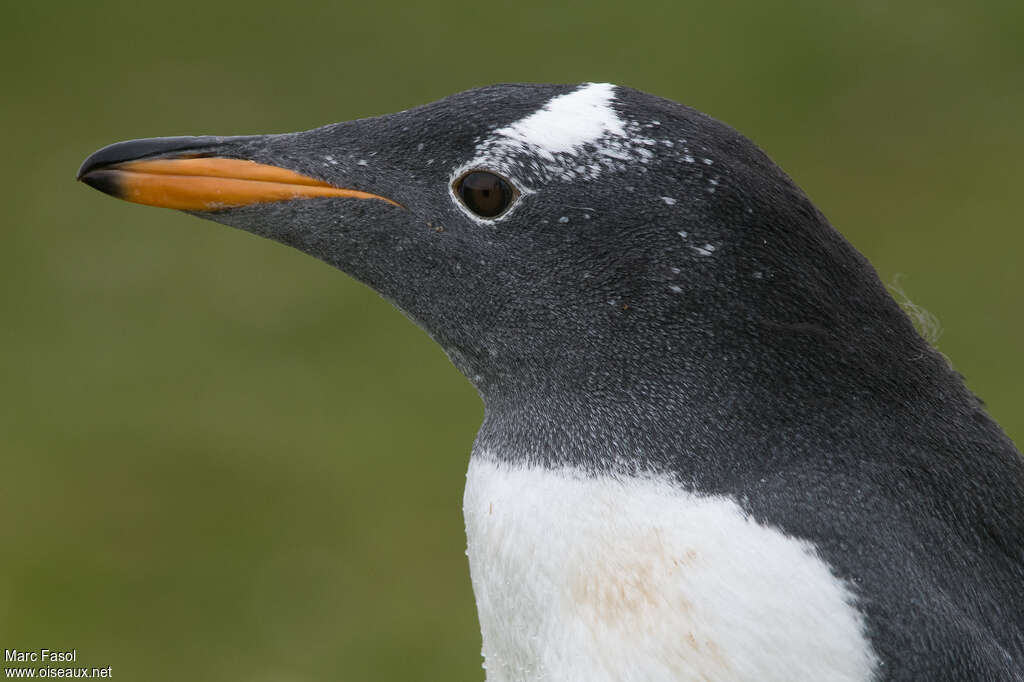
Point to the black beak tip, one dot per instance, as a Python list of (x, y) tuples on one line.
[(105, 181), (133, 150)]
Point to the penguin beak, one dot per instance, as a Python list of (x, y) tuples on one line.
[(185, 173)]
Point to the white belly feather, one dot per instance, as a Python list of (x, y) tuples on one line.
[(583, 579)]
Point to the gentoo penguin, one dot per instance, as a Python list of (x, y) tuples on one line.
[(714, 447)]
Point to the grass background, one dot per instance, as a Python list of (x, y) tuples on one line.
[(221, 459)]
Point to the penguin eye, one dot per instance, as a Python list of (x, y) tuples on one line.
[(484, 193)]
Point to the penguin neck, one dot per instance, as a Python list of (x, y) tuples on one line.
[(709, 413), (615, 419)]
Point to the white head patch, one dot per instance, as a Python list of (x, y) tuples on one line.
[(575, 136), (567, 122)]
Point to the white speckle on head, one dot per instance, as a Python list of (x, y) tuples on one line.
[(714, 181), (688, 159), (600, 578), (419, 147), (361, 162), (705, 250), (675, 271), (683, 233), (675, 288), (564, 219), (613, 153), (669, 200), (707, 162), (757, 275), (331, 160)]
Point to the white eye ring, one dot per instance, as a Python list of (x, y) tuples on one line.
[(485, 193), (486, 166)]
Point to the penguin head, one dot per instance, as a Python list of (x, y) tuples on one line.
[(551, 238)]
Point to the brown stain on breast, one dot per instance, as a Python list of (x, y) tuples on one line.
[(705, 648), (626, 581), (639, 585)]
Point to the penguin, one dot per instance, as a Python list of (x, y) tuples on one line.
[(714, 447)]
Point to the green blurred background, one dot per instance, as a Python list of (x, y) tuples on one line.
[(222, 459)]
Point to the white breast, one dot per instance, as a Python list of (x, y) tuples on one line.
[(582, 579)]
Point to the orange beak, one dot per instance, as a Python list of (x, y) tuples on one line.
[(209, 183)]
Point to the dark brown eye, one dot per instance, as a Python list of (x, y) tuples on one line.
[(485, 194)]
